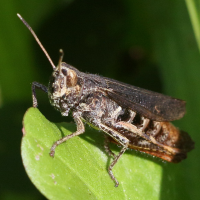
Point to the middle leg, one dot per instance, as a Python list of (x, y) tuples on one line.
[(121, 140)]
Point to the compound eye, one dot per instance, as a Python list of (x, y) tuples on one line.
[(64, 71), (71, 78)]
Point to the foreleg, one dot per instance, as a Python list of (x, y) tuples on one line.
[(39, 86), (80, 130)]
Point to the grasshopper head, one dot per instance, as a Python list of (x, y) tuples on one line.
[(64, 88), (62, 81)]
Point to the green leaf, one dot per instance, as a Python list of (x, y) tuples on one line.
[(194, 8), (79, 168)]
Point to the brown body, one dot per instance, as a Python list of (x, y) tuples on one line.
[(174, 143), (130, 116)]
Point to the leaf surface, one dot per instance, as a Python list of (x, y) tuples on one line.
[(79, 168)]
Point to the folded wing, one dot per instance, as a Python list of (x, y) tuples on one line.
[(152, 105)]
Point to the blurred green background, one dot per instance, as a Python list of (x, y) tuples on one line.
[(150, 44)]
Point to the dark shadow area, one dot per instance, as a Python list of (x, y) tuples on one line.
[(91, 35)]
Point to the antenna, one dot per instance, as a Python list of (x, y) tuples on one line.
[(38, 41), (60, 59)]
